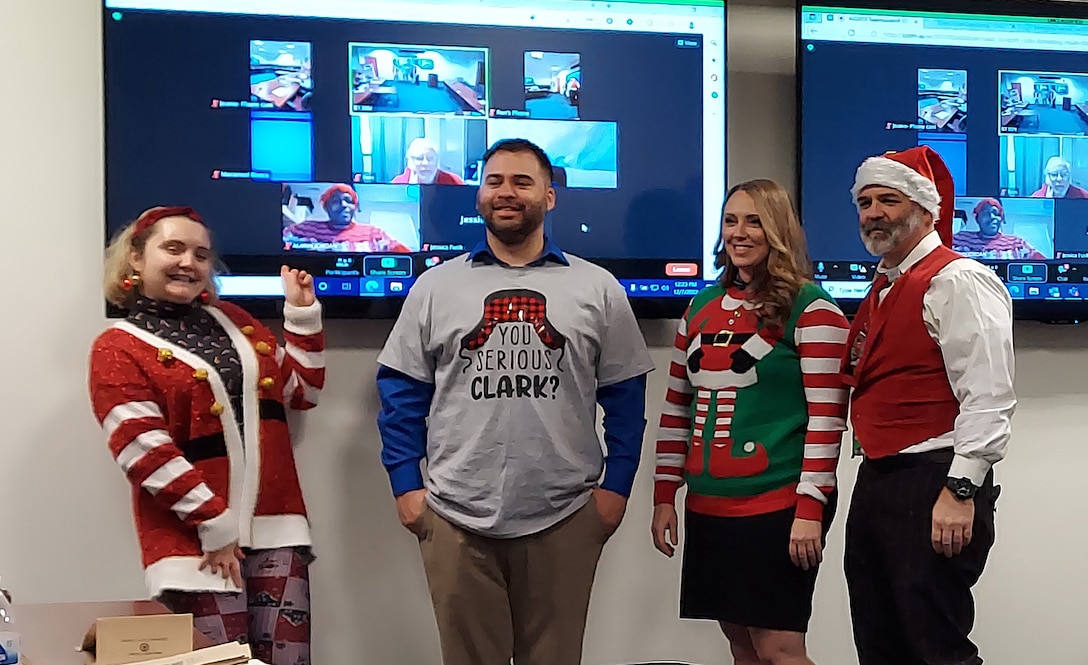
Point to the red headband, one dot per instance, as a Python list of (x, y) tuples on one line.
[(153, 215)]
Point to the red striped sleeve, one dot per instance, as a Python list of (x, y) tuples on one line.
[(302, 356), (132, 418), (674, 428), (820, 336)]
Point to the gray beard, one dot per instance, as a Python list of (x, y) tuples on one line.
[(895, 234)]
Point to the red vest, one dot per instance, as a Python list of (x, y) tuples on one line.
[(901, 392)]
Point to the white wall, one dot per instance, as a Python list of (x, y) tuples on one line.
[(64, 515)]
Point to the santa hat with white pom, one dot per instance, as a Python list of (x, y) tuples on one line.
[(921, 175)]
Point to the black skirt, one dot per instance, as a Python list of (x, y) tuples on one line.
[(738, 570)]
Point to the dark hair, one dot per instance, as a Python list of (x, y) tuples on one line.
[(523, 145)]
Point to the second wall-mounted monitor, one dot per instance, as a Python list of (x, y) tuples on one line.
[(347, 137), (998, 89)]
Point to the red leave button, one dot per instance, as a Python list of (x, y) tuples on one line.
[(681, 269)]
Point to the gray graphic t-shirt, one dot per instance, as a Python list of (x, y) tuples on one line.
[(516, 356)]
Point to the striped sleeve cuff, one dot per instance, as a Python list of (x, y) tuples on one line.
[(665, 492), (809, 508)]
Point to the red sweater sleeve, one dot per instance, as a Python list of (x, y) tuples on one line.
[(302, 356), (131, 415), (820, 336), (674, 429)]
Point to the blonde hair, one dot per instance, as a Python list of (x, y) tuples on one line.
[(116, 267), (788, 267)]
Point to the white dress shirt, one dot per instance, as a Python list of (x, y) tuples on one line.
[(968, 312)]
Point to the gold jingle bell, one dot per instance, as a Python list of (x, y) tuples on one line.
[(267, 382), (216, 409), (201, 375), (263, 348), (165, 355), (247, 330)]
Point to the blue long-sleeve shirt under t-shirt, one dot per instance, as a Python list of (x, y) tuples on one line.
[(506, 346), (406, 402)]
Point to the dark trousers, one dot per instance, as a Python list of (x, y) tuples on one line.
[(910, 605)]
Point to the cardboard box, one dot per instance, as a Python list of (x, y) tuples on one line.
[(159, 639), (133, 639)]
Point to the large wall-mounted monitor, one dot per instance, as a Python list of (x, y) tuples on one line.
[(347, 138), (998, 89)]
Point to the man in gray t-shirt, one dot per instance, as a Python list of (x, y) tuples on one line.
[(492, 374)]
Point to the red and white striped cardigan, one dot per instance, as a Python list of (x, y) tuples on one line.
[(198, 484)]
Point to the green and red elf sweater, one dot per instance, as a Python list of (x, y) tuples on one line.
[(754, 415)]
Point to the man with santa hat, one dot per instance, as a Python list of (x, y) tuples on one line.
[(930, 362)]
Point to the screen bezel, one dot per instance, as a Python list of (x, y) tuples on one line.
[(1049, 311), (389, 307)]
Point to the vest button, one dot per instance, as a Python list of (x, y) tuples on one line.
[(267, 382)]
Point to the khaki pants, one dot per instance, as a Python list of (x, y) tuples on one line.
[(525, 598)]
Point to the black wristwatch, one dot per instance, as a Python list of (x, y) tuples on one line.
[(962, 488)]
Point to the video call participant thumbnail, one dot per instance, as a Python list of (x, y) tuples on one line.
[(988, 242), (340, 231), (422, 166), (1058, 182)]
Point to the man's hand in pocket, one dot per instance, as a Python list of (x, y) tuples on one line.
[(410, 507), (611, 507)]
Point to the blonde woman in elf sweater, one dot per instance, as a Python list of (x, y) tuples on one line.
[(752, 424), (192, 395)]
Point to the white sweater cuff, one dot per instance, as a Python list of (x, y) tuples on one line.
[(302, 320), (219, 531)]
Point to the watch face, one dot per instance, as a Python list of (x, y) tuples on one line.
[(961, 487)]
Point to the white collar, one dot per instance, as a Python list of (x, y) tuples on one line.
[(927, 244)]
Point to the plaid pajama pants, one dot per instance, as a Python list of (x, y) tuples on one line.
[(272, 615)]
